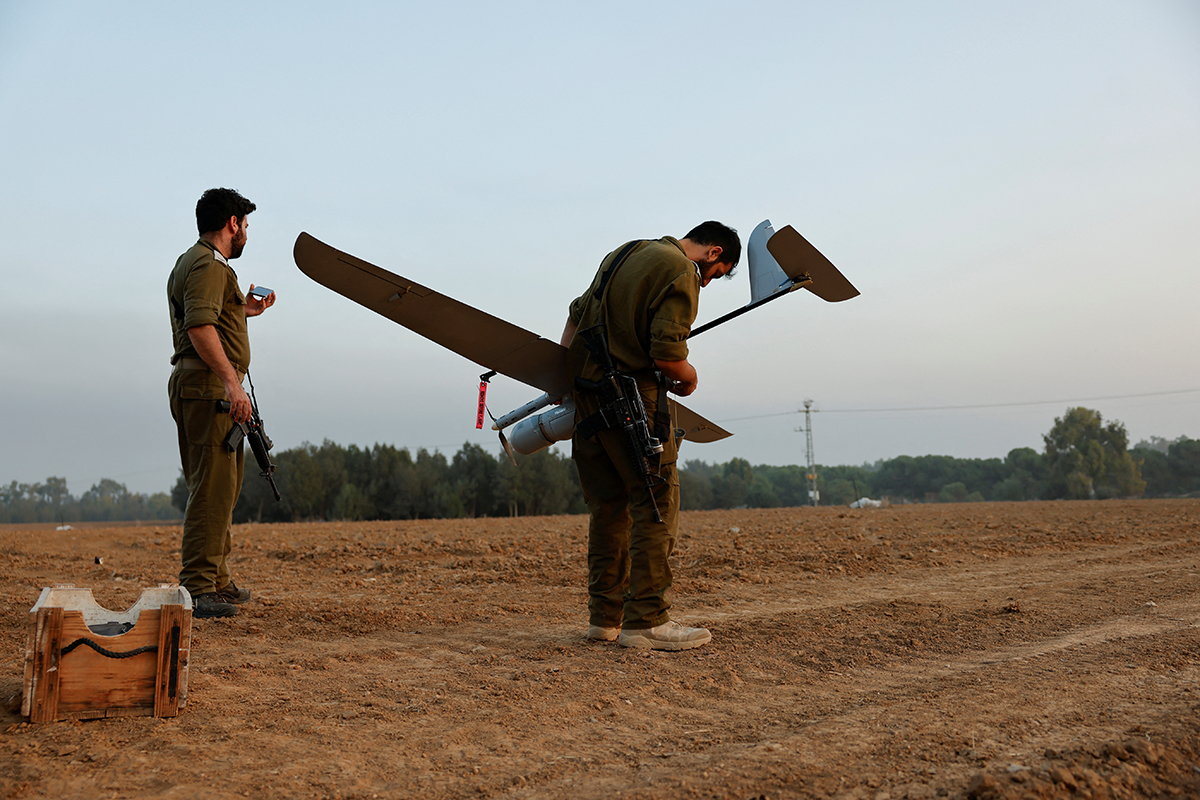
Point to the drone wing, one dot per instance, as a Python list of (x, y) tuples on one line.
[(695, 427), (488, 341), (476, 335)]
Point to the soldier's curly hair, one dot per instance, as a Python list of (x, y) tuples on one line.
[(216, 206), (714, 233)]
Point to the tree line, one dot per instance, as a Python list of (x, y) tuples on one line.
[(107, 501), (1083, 457), (385, 482)]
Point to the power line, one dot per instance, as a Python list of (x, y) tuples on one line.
[(965, 407)]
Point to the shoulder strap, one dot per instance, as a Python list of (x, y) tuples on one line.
[(616, 262), (176, 305)]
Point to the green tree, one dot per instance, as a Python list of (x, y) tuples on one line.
[(955, 493), (299, 478), (256, 502), (54, 491), (1021, 476), (731, 487), (393, 486), (19, 503), (1155, 471), (919, 478), (106, 500), (761, 493), (842, 485), (836, 491), (695, 486), (543, 483), (1086, 458), (789, 484), (1183, 458), (435, 497), (351, 504), (476, 477)]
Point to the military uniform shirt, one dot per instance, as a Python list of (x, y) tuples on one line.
[(652, 302), (203, 290)]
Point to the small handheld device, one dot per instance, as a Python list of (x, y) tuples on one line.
[(261, 291)]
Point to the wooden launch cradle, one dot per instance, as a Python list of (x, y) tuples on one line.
[(74, 672)]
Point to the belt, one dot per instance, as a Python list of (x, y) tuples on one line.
[(197, 363)]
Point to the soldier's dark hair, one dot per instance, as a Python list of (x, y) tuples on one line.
[(216, 206), (713, 233)]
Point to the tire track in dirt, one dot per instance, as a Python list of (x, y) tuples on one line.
[(1059, 572), (995, 706)]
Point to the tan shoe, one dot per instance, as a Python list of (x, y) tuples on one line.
[(668, 636), (597, 633)]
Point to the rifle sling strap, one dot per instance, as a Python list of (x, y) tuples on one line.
[(622, 254)]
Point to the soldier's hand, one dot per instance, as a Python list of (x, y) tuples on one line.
[(682, 375), (239, 403), (683, 388), (256, 305)]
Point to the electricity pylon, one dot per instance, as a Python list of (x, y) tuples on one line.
[(811, 473)]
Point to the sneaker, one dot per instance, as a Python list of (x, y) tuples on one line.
[(598, 633), (212, 605), (668, 636), (230, 593)]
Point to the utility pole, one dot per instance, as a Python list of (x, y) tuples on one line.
[(811, 473)]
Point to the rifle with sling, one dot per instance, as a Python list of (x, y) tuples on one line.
[(621, 407), (254, 433)]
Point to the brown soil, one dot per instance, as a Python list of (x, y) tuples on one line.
[(994, 650)]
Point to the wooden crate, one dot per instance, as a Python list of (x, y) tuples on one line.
[(73, 672)]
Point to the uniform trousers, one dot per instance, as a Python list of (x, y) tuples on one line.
[(628, 551), (213, 474)]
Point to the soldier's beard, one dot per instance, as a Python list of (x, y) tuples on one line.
[(238, 244)]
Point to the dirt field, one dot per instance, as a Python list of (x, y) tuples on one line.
[(979, 650)]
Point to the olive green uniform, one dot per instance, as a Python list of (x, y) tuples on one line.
[(647, 304), (203, 290)]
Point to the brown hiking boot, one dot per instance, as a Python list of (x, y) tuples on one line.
[(230, 593), (211, 606)]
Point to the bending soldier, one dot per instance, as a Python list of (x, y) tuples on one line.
[(645, 296)]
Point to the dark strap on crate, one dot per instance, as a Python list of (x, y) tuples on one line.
[(150, 648)]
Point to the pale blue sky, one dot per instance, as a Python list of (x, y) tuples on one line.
[(1013, 188)]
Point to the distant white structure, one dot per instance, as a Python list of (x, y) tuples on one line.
[(866, 502)]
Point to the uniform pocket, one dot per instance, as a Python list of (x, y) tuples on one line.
[(197, 415), (202, 392)]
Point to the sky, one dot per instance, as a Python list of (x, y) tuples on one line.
[(1013, 187)]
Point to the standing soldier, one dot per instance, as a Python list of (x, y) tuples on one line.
[(212, 354)]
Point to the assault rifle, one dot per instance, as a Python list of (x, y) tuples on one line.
[(254, 433), (621, 407)]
